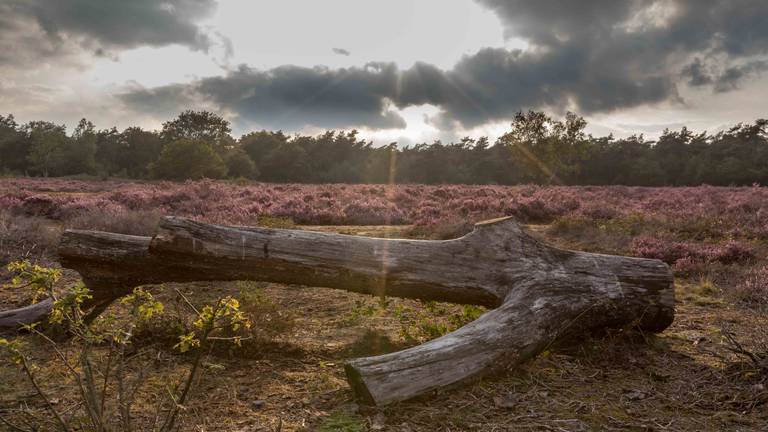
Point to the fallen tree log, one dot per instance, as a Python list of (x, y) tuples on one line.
[(540, 293)]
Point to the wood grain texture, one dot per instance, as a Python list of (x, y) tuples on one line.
[(538, 293), (33, 313)]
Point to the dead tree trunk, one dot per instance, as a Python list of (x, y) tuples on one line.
[(539, 293)]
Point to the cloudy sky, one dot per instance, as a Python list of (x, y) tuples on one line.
[(400, 70)]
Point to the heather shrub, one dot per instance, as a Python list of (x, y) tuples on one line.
[(729, 253), (699, 227), (26, 237), (685, 214), (689, 267), (11, 201), (373, 213), (443, 229), (443, 193), (761, 231), (428, 209), (598, 211), (753, 286), (38, 205), (671, 252), (117, 220), (533, 211), (133, 199)]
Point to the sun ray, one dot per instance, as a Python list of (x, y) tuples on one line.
[(520, 146)]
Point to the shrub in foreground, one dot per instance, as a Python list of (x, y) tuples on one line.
[(106, 392)]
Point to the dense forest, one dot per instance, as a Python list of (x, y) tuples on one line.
[(537, 149)]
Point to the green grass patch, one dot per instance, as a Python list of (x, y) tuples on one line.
[(341, 421)]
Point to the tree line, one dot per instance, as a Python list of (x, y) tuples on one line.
[(537, 149)]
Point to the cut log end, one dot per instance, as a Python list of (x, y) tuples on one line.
[(357, 384)]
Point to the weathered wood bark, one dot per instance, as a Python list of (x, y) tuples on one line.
[(572, 294), (539, 293), (25, 315), (111, 265)]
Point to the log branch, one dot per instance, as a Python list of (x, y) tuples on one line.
[(33, 313)]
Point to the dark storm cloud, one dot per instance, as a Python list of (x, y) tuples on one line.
[(161, 101), (495, 83), (289, 97), (553, 22), (588, 55), (638, 38), (732, 77), (21, 45), (601, 55), (734, 26), (57, 27), (697, 73)]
